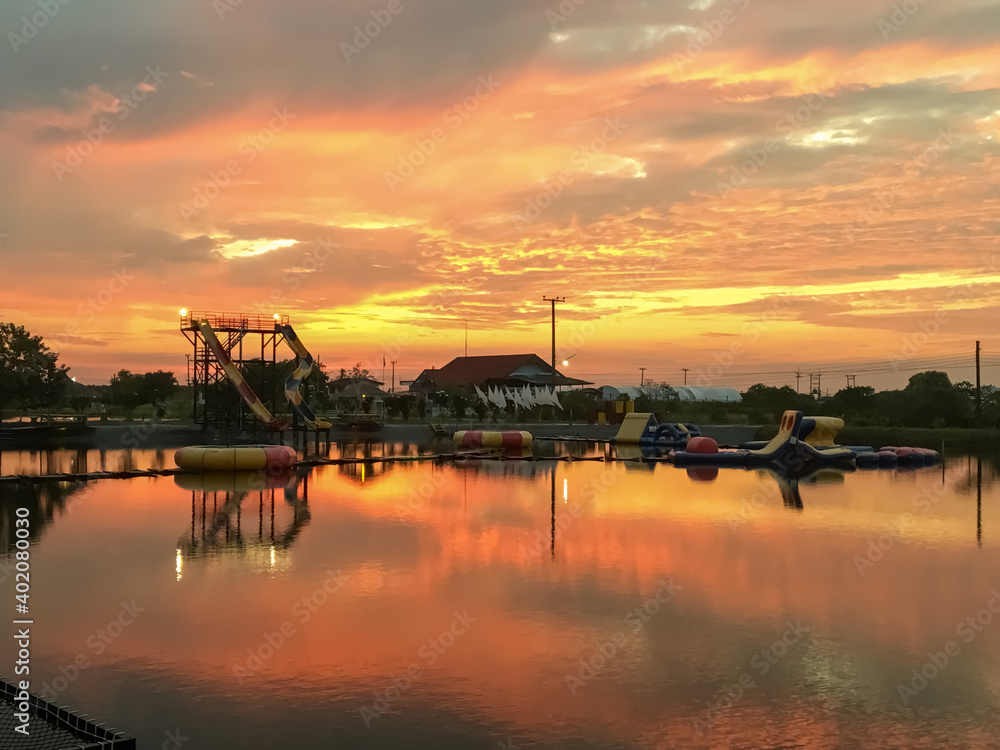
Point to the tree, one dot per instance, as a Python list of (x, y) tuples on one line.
[(929, 380), (659, 392), (125, 390), (130, 390), (935, 402), (854, 399), (29, 372), (157, 387), (359, 372)]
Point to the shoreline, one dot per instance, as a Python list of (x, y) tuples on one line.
[(168, 434), (139, 435)]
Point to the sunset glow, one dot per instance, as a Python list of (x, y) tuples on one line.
[(813, 182)]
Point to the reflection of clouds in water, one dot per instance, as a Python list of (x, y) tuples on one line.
[(462, 548)]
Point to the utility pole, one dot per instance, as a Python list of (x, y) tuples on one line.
[(393, 388), (815, 384), (852, 381), (798, 377), (979, 391), (685, 369), (642, 376), (554, 300), (466, 337)]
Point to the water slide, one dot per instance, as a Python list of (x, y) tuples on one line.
[(302, 369), (273, 423)]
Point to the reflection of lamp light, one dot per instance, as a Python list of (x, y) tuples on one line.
[(272, 555), (565, 490), (180, 563), (184, 312)]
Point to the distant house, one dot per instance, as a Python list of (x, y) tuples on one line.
[(357, 395), (512, 370)]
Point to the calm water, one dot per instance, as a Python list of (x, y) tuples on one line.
[(516, 604)]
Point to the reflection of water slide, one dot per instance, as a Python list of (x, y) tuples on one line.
[(302, 369), (273, 423), (223, 532)]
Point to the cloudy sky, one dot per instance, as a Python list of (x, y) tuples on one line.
[(738, 187)]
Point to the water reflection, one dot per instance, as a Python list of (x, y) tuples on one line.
[(217, 518), (550, 558)]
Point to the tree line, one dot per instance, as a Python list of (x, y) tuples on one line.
[(31, 378)]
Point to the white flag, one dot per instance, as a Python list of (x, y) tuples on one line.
[(482, 396), (497, 398)]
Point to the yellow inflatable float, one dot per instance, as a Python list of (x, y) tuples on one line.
[(234, 457), (506, 439)]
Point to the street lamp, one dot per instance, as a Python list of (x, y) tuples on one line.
[(553, 300)]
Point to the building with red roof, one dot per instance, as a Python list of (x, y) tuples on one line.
[(511, 370)]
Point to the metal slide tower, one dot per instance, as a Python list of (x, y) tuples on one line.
[(251, 341)]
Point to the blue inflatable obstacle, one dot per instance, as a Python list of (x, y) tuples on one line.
[(642, 429), (786, 451)]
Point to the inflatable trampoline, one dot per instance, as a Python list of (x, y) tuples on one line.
[(514, 440), (203, 458)]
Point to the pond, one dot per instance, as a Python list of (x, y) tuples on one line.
[(516, 604)]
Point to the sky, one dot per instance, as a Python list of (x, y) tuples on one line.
[(742, 188)]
